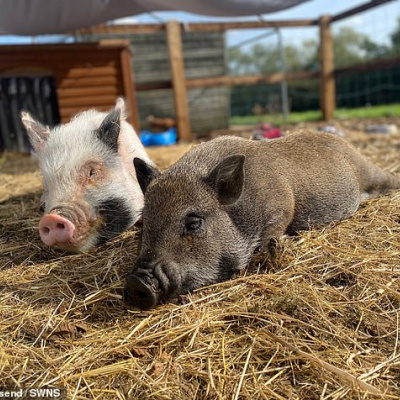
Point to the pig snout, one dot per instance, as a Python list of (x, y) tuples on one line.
[(152, 282), (67, 226), (141, 291), (56, 230)]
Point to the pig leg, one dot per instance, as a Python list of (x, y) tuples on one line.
[(272, 247), (374, 181), (277, 222), (271, 239)]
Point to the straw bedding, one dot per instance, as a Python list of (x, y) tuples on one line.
[(317, 320)]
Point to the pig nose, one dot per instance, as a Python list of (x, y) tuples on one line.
[(55, 229), (141, 292)]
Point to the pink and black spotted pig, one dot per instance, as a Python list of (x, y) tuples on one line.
[(91, 192)]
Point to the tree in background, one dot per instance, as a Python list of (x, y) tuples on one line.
[(350, 47), (264, 59), (395, 38)]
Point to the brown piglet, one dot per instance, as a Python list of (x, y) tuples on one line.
[(205, 215)]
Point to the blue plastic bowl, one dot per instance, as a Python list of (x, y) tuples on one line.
[(158, 139)]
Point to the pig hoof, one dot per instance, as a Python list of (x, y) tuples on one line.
[(139, 293)]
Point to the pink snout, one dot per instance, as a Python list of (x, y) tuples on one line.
[(55, 230)]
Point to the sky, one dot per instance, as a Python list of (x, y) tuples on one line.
[(378, 23)]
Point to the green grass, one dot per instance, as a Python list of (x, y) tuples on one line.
[(390, 110)]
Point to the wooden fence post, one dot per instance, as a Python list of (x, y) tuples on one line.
[(327, 78), (174, 41), (129, 89)]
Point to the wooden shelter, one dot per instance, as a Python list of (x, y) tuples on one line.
[(85, 75)]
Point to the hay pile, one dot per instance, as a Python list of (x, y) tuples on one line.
[(320, 321)]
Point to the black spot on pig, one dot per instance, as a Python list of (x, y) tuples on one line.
[(109, 129), (116, 218)]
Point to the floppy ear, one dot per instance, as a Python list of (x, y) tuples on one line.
[(145, 173), (37, 132), (227, 179), (109, 129)]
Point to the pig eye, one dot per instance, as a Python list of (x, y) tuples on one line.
[(193, 223), (91, 173)]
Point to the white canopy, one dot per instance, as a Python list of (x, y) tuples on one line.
[(35, 17)]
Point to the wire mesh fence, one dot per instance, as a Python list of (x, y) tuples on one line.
[(268, 52), (363, 39), (368, 38)]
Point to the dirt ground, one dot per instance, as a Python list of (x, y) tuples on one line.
[(318, 321)]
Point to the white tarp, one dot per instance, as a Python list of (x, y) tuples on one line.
[(35, 17)]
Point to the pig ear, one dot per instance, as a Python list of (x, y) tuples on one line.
[(109, 129), (145, 173), (37, 132), (227, 179), (120, 105)]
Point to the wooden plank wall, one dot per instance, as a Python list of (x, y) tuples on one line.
[(87, 75), (204, 57)]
